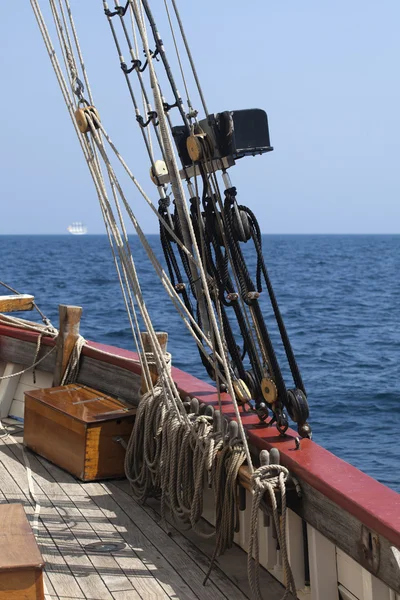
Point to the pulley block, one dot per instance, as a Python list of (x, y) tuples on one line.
[(198, 147), (242, 392), (297, 406), (268, 390), (241, 225), (158, 170), (82, 120), (194, 147)]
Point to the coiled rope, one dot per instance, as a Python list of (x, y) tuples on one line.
[(267, 479)]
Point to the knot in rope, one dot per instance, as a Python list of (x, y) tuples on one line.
[(269, 476)]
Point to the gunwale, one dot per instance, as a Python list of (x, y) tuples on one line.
[(372, 503)]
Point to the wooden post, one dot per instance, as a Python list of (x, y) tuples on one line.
[(70, 317), (162, 337)]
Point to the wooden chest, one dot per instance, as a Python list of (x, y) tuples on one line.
[(77, 428), (21, 564)]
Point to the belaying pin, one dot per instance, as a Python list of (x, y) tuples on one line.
[(264, 462)]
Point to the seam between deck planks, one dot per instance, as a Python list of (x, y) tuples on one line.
[(58, 573), (79, 561), (144, 593), (132, 562), (81, 500), (226, 566), (95, 490)]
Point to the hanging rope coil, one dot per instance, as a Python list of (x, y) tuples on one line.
[(268, 479)]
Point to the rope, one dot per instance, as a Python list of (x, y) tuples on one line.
[(171, 450), (31, 486), (72, 369), (190, 57), (268, 478), (35, 364)]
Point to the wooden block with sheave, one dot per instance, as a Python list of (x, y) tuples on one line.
[(78, 429), (21, 564)]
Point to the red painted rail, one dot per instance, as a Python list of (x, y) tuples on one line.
[(374, 504)]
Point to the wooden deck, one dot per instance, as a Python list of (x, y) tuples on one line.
[(150, 563)]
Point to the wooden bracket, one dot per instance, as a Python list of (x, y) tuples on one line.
[(15, 303), (70, 317)]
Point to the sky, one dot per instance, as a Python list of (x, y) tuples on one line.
[(325, 72)]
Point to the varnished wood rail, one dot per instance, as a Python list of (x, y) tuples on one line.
[(14, 303)]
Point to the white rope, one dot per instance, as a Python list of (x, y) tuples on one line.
[(180, 202), (196, 78), (268, 478)]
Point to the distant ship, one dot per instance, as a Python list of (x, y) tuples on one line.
[(77, 228)]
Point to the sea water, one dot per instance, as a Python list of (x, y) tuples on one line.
[(339, 296)]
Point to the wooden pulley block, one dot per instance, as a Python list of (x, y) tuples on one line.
[(241, 390), (194, 147), (82, 121), (268, 390), (158, 170)]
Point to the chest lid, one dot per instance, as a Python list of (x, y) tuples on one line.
[(82, 403)]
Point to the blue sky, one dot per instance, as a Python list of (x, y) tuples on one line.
[(326, 73)]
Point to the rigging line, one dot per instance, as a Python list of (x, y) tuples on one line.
[(130, 308), (68, 57), (148, 107), (166, 282), (179, 59), (147, 199), (178, 197), (132, 21), (78, 48), (143, 361), (66, 37), (131, 271), (176, 184), (253, 356), (194, 71), (131, 92), (136, 225), (160, 47), (217, 194)]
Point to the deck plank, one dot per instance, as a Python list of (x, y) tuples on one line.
[(66, 537), (169, 581), (167, 546), (136, 574), (14, 485), (152, 564), (230, 570)]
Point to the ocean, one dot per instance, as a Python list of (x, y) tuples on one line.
[(339, 296)]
